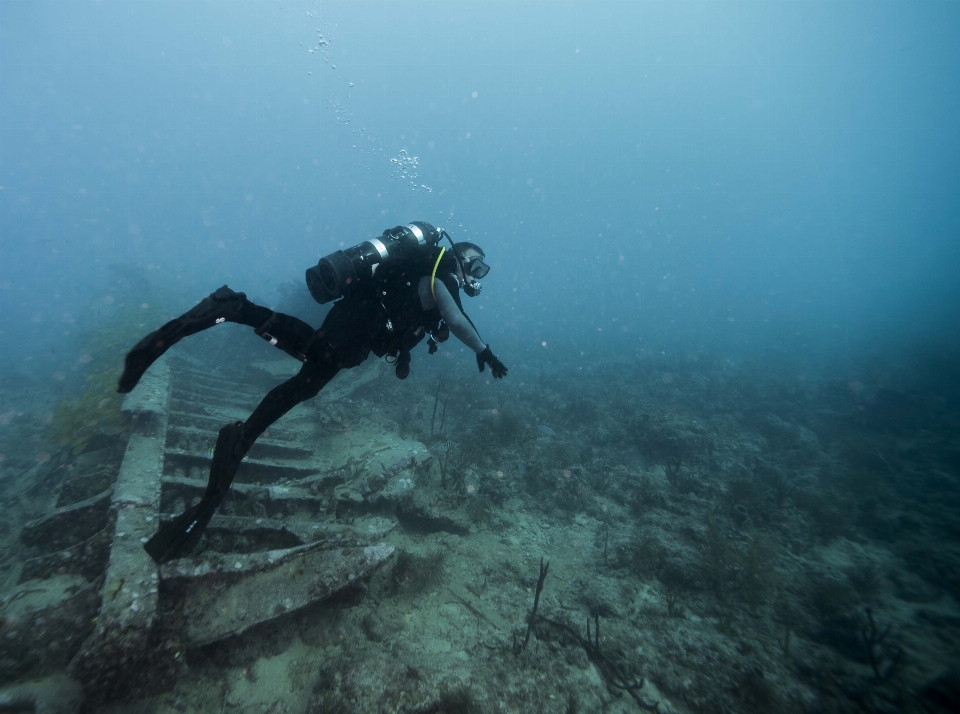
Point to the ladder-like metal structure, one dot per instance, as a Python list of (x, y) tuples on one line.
[(273, 548)]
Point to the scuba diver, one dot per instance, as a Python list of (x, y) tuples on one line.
[(391, 292)]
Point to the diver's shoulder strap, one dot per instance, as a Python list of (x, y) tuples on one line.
[(433, 275)]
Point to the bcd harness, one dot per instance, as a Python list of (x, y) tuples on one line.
[(405, 319)]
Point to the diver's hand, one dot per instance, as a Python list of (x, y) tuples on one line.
[(497, 368)]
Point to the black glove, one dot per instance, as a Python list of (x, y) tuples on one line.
[(497, 368)]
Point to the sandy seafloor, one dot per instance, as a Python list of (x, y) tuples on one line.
[(749, 537)]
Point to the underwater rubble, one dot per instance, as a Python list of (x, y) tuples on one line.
[(89, 596), (719, 540)]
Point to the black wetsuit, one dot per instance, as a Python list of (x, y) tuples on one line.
[(386, 318)]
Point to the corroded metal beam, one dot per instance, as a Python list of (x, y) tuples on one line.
[(224, 594), (120, 646)]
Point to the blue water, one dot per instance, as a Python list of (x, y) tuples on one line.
[(643, 176), (771, 184)]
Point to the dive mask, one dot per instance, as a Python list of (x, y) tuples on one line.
[(475, 267)]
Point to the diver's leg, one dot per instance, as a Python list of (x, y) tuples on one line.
[(176, 538), (288, 333)]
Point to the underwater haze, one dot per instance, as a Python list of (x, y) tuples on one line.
[(723, 238)]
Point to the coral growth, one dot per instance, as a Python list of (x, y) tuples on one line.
[(96, 411)]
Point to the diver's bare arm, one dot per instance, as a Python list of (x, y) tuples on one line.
[(459, 325)]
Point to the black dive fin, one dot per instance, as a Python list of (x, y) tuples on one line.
[(180, 535), (223, 304), (147, 351)]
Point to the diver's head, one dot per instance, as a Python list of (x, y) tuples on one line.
[(471, 266)]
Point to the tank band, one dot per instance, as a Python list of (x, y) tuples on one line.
[(417, 233), (381, 248)]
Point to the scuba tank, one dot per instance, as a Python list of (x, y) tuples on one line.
[(349, 271)]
